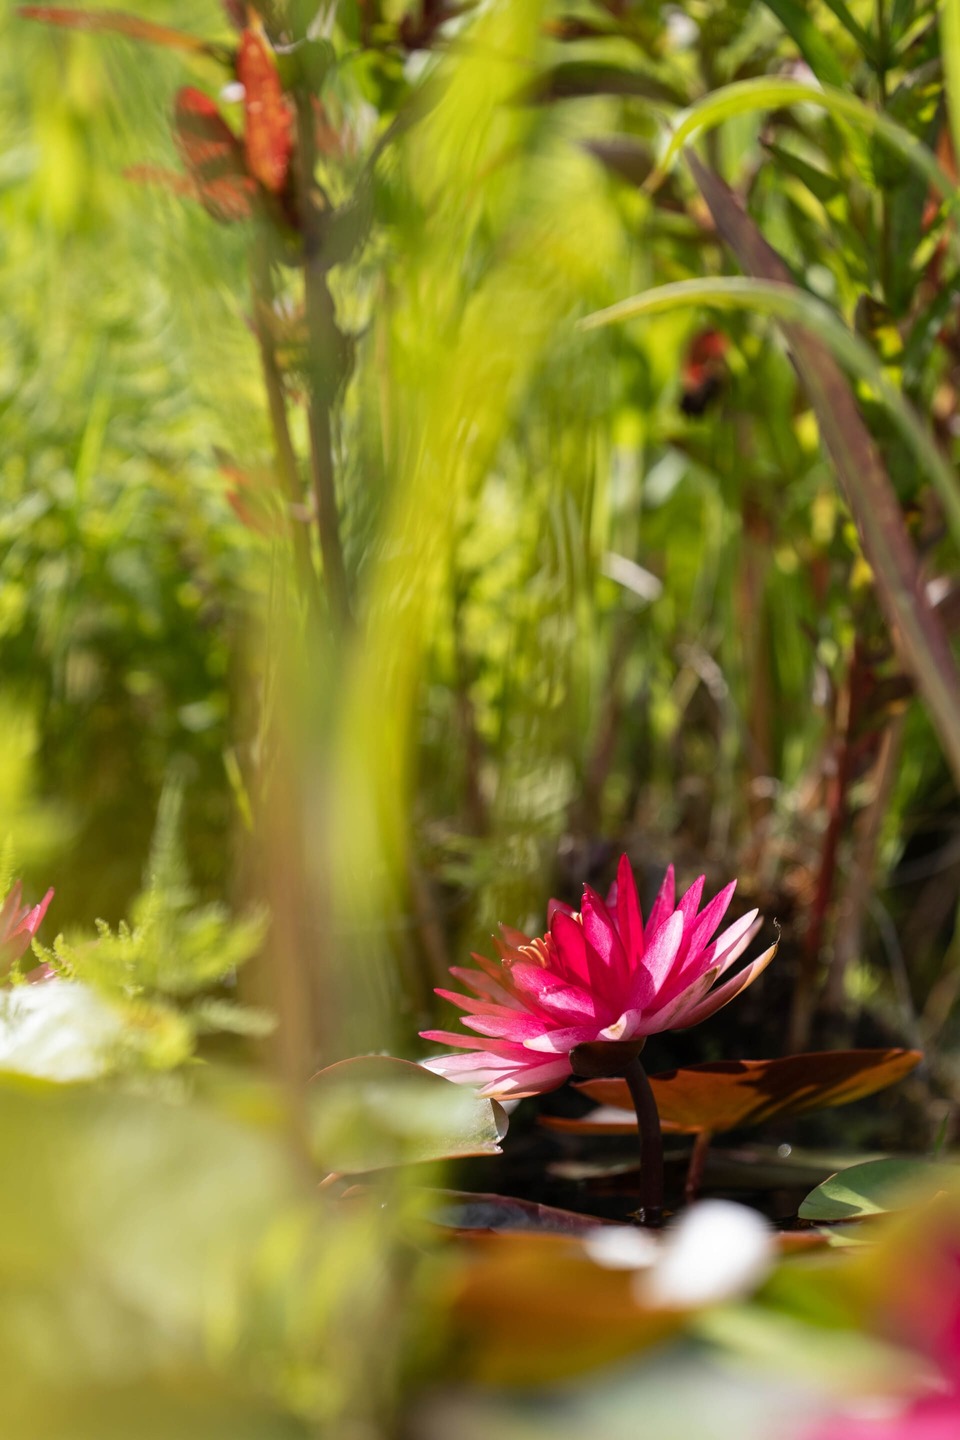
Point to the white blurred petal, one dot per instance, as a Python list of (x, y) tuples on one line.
[(620, 1247), (717, 1251), (56, 1030)]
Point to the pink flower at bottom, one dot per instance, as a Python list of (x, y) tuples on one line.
[(935, 1417), (18, 924), (600, 975)]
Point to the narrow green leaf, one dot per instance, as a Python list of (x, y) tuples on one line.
[(852, 25), (746, 96), (901, 17), (950, 53), (821, 185), (577, 79), (812, 44)]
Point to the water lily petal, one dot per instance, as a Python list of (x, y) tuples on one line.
[(690, 903), (576, 958), (725, 993), (552, 996), (514, 1025), (662, 948), (628, 915), (601, 933), (665, 1018), (663, 906), (555, 1042), (484, 985)]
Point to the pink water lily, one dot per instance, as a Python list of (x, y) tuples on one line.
[(597, 975), (18, 924)]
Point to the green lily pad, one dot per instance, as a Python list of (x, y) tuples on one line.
[(877, 1187)]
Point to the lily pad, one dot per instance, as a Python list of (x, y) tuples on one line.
[(464, 1210), (877, 1187), (375, 1112), (735, 1093)]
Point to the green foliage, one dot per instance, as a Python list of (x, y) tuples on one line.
[(163, 963), (597, 593)]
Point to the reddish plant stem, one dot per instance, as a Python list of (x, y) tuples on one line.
[(324, 349), (853, 904), (804, 995), (698, 1160), (651, 1144)]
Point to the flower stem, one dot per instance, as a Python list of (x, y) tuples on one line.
[(651, 1144)]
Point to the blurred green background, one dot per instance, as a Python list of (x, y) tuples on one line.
[(608, 596)]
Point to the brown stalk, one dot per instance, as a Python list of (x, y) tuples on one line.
[(804, 994), (324, 342), (848, 938)]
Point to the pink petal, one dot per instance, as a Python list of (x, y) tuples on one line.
[(731, 946), (561, 1042), (499, 1075), (727, 948), (553, 906), (625, 1028), (724, 993), (472, 1006), (629, 917), (529, 1080), (10, 909), (516, 1026), (555, 998), (665, 1018), (471, 1042), (710, 917), (34, 919), (662, 947), (663, 905), (516, 938), (484, 985), (690, 903), (601, 933), (577, 960)]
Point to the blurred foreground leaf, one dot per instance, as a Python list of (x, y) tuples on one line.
[(374, 1112), (127, 1246), (535, 1307), (182, 1406)]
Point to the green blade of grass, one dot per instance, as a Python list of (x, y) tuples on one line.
[(950, 54), (812, 44), (746, 96)]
